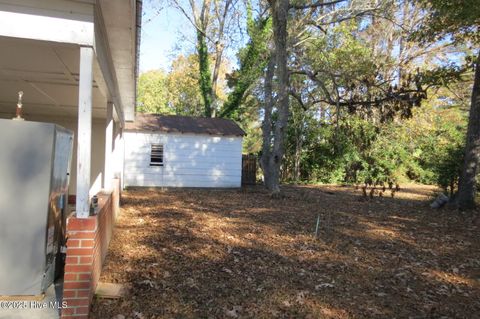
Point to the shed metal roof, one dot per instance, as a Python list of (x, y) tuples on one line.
[(184, 124)]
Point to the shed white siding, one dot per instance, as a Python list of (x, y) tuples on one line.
[(190, 160)]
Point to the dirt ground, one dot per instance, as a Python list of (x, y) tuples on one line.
[(241, 254)]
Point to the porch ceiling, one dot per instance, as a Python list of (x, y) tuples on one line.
[(48, 74)]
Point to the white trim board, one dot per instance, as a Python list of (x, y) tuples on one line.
[(45, 28)]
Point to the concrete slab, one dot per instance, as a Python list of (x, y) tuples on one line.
[(48, 308)]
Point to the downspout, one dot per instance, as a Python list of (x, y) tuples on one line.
[(137, 46)]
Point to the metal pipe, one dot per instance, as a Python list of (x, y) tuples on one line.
[(19, 106), (318, 224)]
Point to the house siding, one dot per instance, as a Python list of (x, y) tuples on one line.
[(190, 160)]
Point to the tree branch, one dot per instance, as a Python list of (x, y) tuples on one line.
[(317, 4)]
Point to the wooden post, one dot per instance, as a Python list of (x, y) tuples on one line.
[(107, 176), (84, 143)]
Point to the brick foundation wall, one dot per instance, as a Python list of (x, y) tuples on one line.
[(87, 245)]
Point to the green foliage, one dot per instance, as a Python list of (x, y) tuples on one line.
[(253, 58), (182, 84), (350, 72), (351, 113), (366, 152), (437, 140), (341, 52), (175, 92), (248, 121), (152, 93), (455, 19), (427, 148), (205, 79), (345, 138)]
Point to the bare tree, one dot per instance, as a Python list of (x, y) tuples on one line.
[(213, 21), (275, 131)]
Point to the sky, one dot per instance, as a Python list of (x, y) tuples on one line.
[(164, 33)]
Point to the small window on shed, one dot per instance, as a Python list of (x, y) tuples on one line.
[(156, 155)]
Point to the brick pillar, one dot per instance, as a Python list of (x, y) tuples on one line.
[(87, 245), (78, 285)]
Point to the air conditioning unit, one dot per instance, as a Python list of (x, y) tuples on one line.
[(34, 175)]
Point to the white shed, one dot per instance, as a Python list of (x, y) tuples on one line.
[(182, 151)]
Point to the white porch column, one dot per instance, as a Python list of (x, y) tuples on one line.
[(84, 144), (108, 169)]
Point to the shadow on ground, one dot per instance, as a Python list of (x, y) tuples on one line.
[(241, 254)]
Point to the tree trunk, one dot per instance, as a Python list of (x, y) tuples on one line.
[(299, 133), (280, 15), (205, 79), (267, 124), (216, 71), (298, 156), (466, 185)]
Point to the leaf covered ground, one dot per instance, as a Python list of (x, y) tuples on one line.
[(241, 254)]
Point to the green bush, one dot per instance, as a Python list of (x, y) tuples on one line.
[(427, 149)]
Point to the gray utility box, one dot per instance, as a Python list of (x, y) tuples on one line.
[(34, 174)]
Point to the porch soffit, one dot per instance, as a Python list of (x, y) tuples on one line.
[(120, 24), (48, 74)]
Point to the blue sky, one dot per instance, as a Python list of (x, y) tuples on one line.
[(166, 33), (163, 37)]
